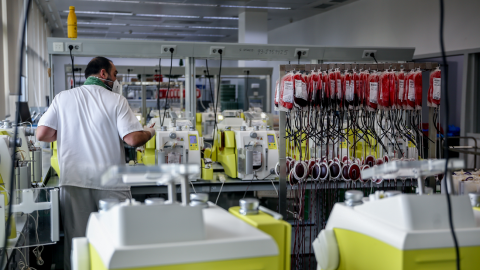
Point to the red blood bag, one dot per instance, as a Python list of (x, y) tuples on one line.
[(355, 85), (401, 89), (300, 90), (319, 89), (363, 87), (325, 89), (418, 90), (384, 95), (393, 89), (434, 89), (277, 93), (371, 95), (333, 86), (410, 88), (286, 91), (338, 90), (312, 81), (349, 91)]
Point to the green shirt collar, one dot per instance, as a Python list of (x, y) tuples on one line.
[(95, 81)]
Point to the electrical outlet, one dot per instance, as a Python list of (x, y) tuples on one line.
[(366, 53), (304, 52), (214, 50), (58, 46), (77, 46), (166, 49)]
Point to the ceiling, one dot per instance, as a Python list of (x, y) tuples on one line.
[(175, 20)]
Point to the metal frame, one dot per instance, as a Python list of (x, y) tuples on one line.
[(231, 51)]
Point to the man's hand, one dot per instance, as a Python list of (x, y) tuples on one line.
[(150, 129), (46, 134)]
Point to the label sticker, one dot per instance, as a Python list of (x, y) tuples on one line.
[(348, 90), (437, 86), (277, 94), (401, 89), (332, 88), (374, 92), (257, 158), (174, 158), (301, 90), (288, 91), (411, 90)]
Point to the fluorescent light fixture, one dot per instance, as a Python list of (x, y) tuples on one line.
[(56, 25), (221, 18), (157, 25), (168, 16), (177, 34), (101, 12), (199, 35), (99, 32), (49, 7), (94, 23), (230, 6), (53, 17), (213, 27), (180, 4)]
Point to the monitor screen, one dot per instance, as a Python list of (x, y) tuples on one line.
[(271, 139), (193, 139)]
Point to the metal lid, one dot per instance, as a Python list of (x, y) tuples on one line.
[(179, 128), (256, 127), (243, 128), (7, 124), (253, 134), (163, 128), (15, 142), (474, 198), (106, 204), (172, 135), (200, 204), (151, 201), (199, 197), (391, 193), (249, 206), (353, 197), (191, 128)]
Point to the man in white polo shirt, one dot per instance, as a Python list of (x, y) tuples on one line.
[(90, 123)]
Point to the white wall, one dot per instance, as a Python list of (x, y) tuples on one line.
[(395, 23)]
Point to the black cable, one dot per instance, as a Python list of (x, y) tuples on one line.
[(246, 92), (15, 135), (445, 124), (373, 55), (218, 90), (159, 84), (168, 88), (70, 47)]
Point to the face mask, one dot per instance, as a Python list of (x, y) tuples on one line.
[(116, 88)]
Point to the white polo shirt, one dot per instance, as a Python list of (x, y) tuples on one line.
[(91, 122)]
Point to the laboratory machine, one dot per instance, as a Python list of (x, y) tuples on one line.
[(191, 234)]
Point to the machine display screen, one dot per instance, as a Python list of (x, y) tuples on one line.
[(271, 139), (193, 139)]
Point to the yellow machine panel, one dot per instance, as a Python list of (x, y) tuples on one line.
[(207, 173), (149, 155), (227, 154), (358, 248), (279, 230), (193, 142), (272, 141), (261, 263), (54, 158), (198, 120)]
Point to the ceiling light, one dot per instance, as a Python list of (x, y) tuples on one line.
[(181, 4), (94, 23), (156, 3), (214, 27), (56, 25), (95, 31), (230, 6), (157, 25), (177, 34), (168, 16), (199, 35), (49, 7), (53, 17), (221, 18), (101, 12)]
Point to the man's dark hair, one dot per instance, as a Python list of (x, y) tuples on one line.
[(96, 64)]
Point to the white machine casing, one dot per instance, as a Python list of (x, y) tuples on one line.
[(171, 143), (268, 151), (135, 236)]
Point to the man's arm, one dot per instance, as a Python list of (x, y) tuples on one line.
[(46, 134), (138, 138)]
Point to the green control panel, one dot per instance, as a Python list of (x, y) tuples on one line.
[(271, 141)]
